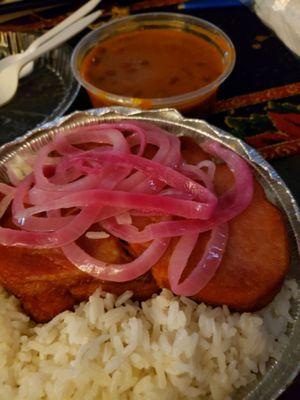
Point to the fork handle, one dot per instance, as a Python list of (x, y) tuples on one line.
[(60, 38), (81, 12)]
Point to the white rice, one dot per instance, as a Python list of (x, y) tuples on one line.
[(112, 348)]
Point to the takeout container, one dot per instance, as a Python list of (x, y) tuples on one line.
[(201, 100), (280, 373), (46, 93)]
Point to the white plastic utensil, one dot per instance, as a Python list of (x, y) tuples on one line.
[(9, 75), (27, 69), (75, 16)]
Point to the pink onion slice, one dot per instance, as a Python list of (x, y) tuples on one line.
[(85, 135), (238, 198), (5, 202), (205, 269), (116, 272), (128, 200), (65, 235), (64, 143), (155, 170), (6, 189), (194, 172), (33, 223)]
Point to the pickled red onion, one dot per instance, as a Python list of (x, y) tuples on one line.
[(116, 272), (6, 189), (206, 267), (115, 180), (98, 197), (5, 202)]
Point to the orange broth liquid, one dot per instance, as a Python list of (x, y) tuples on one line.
[(154, 63)]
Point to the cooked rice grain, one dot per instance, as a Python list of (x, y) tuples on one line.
[(112, 348)]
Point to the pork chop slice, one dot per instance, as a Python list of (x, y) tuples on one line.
[(47, 283), (257, 256)]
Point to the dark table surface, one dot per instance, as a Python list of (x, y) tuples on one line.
[(273, 65)]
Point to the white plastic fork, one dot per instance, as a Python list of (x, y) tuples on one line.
[(9, 75), (27, 69)]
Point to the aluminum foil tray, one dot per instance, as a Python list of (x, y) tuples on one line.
[(279, 373)]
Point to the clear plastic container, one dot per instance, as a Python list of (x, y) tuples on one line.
[(201, 99), (43, 95)]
